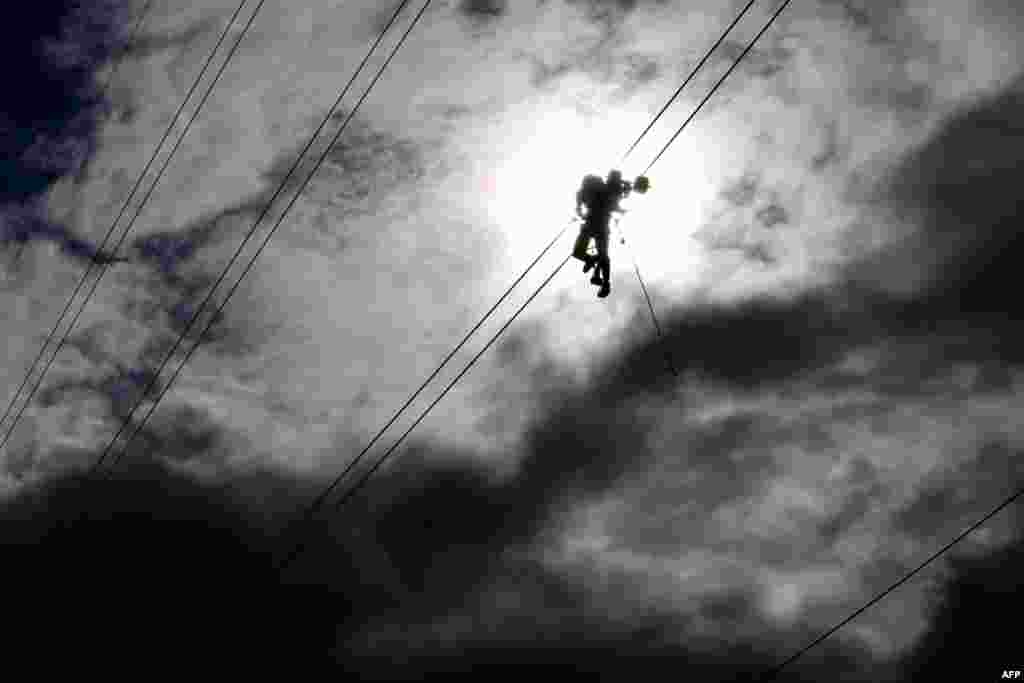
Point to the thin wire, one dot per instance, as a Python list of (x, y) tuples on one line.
[(110, 231), (693, 73), (318, 501), (719, 83), (380, 461), (654, 317), (775, 671), (707, 97), (248, 236)]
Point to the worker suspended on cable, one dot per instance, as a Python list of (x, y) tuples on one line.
[(601, 198)]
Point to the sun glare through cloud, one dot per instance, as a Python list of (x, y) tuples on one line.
[(533, 191)]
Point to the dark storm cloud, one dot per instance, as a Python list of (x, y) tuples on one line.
[(119, 383), (742, 191), (50, 55), (972, 633), (121, 389), (88, 33), (605, 57), (884, 22), (483, 10), (965, 182), (613, 11), (147, 44), (367, 163), (831, 152), (765, 60), (949, 501), (895, 41), (176, 283), (170, 563), (382, 587), (772, 215), (599, 61), (865, 492)]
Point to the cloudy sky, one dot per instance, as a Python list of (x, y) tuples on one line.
[(828, 247)]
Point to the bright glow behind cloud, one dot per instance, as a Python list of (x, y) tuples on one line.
[(534, 189)]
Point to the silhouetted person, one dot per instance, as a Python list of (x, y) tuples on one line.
[(601, 198)]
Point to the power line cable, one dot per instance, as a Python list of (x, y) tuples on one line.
[(772, 673), (266, 239), (138, 183)]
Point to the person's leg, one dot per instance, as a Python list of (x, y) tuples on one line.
[(579, 250), (604, 265), (601, 243), (603, 262)]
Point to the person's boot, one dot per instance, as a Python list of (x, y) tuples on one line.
[(606, 289), (595, 279)]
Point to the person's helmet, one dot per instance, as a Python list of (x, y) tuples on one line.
[(593, 183), (614, 176)]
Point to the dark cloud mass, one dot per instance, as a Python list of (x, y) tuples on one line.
[(483, 10), (962, 183), (428, 573), (52, 105), (973, 634), (612, 10)]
